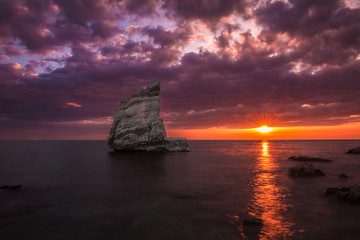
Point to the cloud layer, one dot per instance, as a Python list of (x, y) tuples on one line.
[(65, 65)]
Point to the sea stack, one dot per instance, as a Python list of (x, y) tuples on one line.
[(137, 125)]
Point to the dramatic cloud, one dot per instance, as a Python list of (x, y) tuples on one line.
[(65, 65), (208, 11)]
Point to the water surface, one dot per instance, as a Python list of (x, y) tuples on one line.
[(81, 190)]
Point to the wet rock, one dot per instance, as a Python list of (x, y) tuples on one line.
[(305, 170), (309, 159), (253, 221), (137, 125), (12, 187), (343, 176), (354, 150), (351, 193)]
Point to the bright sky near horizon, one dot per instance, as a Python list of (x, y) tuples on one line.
[(226, 67)]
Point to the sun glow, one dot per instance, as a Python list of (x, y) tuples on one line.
[(264, 129)]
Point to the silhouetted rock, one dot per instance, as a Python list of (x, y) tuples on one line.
[(343, 176), (137, 125), (305, 170), (347, 193), (309, 159), (253, 221), (12, 188), (354, 150)]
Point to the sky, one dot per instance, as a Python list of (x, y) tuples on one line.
[(226, 67)]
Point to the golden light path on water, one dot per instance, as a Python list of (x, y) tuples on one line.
[(268, 201)]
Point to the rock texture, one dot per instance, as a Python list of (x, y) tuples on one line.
[(305, 170), (137, 125), (309, 159), (351, 193), (354, 150)]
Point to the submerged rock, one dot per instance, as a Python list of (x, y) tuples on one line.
[(253, 221), (309, 159), (354, 150), (347, 193), (305, 170), (12, 187), (343, 176), (137, 125)]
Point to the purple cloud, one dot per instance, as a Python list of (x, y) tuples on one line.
[(300, 68)]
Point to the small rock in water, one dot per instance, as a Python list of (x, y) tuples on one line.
[(354, 150), (253, 221), (12, 188), (343, 176), (347, 193), (305, 170), (309, 159)]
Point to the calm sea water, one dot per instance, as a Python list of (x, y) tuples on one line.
[(81, 190)]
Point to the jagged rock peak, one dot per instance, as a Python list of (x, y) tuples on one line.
[(137, 125), (153, 89)]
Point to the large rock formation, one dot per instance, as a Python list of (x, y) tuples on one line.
[(137, 124)]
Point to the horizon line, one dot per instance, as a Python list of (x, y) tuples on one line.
[(319, 139)]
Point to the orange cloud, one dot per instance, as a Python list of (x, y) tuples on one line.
[(74, 104), (15, 65)]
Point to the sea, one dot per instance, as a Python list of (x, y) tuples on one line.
[(83, 190)]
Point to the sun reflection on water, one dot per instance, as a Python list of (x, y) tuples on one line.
[(265, 149), (268, 201)]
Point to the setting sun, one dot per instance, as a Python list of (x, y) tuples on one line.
[(264, 129)]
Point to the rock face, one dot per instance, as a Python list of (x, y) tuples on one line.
[(354, 150), (347, 193), (305, 170), (137, 125), (309, 159)]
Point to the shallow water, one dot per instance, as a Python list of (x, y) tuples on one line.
[(81, 190)]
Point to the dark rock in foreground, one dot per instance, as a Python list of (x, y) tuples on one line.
[(137, 125), (343, 176), (305, 170), (309, 159), (253, 221), (347, 193), (354, 150), (12, 188)]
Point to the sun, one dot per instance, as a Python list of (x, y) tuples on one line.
[(264, 129)]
